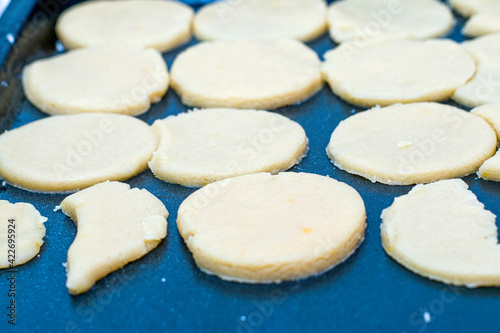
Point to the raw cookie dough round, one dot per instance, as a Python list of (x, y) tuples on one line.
[(116, 225), (398, 71), (468, 7), (21, 231), (262, 228), (246, 74), (442, 232), (484, 87), (367, 19), (490, 170), (67, 153), (203, 146), (412, 143), (261, 19), (114, 79), (486, 21), (162, 25)]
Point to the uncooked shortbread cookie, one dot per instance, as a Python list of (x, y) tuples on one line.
[(389, 72), (66, 153), (468, 7), (203, 146), (490, 170), (442, 232), (262, 228), (246, 74), (115, 79), (412, 143), (162, 25), (367, 19), (116, 225), (485, 21), (484, 87), (261, 19), (21, 231)]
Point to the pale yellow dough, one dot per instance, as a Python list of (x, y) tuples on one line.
[(261, 19), (116, 225), (67, 153), (370, 19), (412, 143), (22, 242), (484, 87), (442, 232), (490, 170), (246, 74), (468, 7), (486, 21), (114, 79), (397, 71), (162, 25), (262, 228), (203, 146)]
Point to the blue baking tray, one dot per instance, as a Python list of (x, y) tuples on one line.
[(166, 292)]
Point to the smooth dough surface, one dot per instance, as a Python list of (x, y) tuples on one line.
[(67, 153), (486, 21), (468, 7), (261, 19), (442, 232), (484, 87), (490, 170), (114, 79), (246, 74), (25, 238), (399, 71), (412, 143), (116, 225), (261, 228), (203, 146), (366, 19), (161, 25)]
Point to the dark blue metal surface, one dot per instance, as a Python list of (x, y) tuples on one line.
[(166, 292)]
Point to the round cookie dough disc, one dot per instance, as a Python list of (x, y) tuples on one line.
[(441, 231), (490, 170), (261, 19), (399, 71), (468, 7), (484, 22), (366, 19), (22, 223), (262, 228), (246, 74), (161, 25), (203, 146), (112, 79), (67, 153), (412, 143)]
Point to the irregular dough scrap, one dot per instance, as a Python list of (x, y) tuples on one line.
[(484, 87), (203, 146), (468, 7), (67, 153), (304, 20), (485, 21), (246, 74), (116, 225), (398, 71), (490, 170), (367, 19), (442, 232), (114, 79), (412, 143), (162, 25), (27, 233), (262, 228)]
